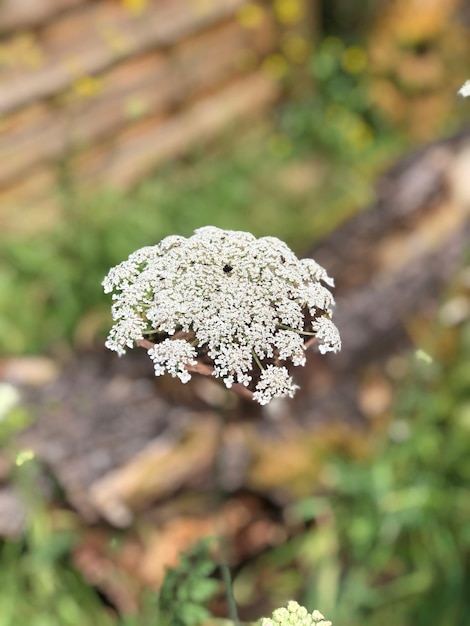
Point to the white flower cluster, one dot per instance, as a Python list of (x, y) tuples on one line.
[(295, 615), (464, 91), (173, 356), (242, 305)]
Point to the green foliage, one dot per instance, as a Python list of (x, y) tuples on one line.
[(390, 543), (339, 117), (188, 588), (38, 585), (39, 589)]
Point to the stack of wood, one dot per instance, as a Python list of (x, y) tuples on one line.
[(110, 89)]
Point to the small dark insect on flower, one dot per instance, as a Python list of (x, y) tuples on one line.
[(228, 269)]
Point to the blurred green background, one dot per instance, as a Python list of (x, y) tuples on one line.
[(386, 541)]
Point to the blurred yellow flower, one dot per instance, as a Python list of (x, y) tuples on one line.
[(201, 7), (246, 59), (87, 86), (136, 7), (250, 15), (275, 66), (353, 60), (422, 355), (280, 145), (29, 51), (360, 135), (295, 47), (289, 11)]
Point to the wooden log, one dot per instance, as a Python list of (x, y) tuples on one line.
[(30, 206), (402, 248), (158, 470), (20, 14), (392, 263), (144, 145)]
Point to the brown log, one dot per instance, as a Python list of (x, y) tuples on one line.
[(392, 263), (144, 145), (400, 251), (158, 470), (19, 14), (31, 205)]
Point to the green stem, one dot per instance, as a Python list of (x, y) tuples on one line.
[(219, 493), (227, 578), (257, 361), (296, 330)]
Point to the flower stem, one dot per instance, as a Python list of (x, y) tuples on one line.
[(227, 578), (219, 495), (257, 361), (296, 330)]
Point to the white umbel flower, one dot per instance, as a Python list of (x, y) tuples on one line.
[(295, 615), (173, 356), (464, 90), (244, 307), (274, 382)]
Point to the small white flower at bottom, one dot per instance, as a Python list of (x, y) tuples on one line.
[(274, 382), (295, 615), (173, 356)]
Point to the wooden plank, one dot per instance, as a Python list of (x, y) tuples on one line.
[(29, 138), (141, 147), (71, 49), (401, 251), (31, 205), (20, 14), (145, 85)]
